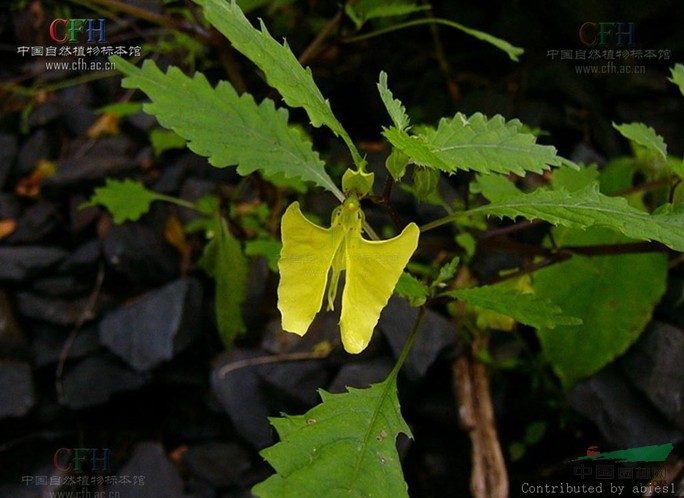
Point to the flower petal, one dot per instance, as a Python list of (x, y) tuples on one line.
[(305, 260), (372, 271)]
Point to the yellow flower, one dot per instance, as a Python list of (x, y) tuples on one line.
[(313, 257)]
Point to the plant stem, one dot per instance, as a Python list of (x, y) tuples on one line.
[(489, 478), (409, 343)]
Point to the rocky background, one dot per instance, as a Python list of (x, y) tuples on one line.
[(107, 334)]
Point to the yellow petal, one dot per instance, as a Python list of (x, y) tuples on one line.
[(372, 271), (305, 260)]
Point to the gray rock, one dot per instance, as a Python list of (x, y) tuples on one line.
[(93, 381), (152, 474), (239, 393), (361, 374), (108, 157), (152, 329), (219, 464), (436, 333), (8, 153), (140, 253), (12, 337), (65, 312), (36, 224), (16, 389), (620, 411), (655, 365), (47, 343), (26, 262)]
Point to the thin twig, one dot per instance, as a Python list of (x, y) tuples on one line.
[(489, 478), (316, 45), (85, 315), (276, 358)]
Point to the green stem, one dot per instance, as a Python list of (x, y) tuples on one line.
[(443, 221), (179, 202), (512, 51), (409, 343)]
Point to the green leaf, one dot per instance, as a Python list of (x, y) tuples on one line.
[(494, 188), (227, 128), (412, 289), (121, 109), (345, 446), (364, 10), (447, 271), (512, 51), (394, 107), (588, 207), (224, 261), (678, 76), (525, 308), (163, 140), (614, 296), (126, 200), (643, 135), (281, 68), (476, 143), (268, 248)]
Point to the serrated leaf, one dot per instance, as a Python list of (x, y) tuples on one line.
[(281, 68), (678, 76), (643, 135), (394, 107), (447, 271), (345, 446), (365, 10), (476, 143), (588, 207), (525, 308), (614, 295), (227, 128), (126, 200), (411, 289), (224, 261)]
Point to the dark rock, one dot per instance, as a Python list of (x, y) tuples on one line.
[(36, 224), (156, 474), (239, 392), (61, 285), (26, 262), (12, 338), (294, 381), (154, 328), (48, 342), (620, 411), (93, 380), (8, 154), (16, 389), (108, 157), (43, 113), (436, 333), (40, 145), (74, 105), (141, 254), (220, 464), (361, 374), (9, 206), (59, 311), (84, 260), (655, 366)]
